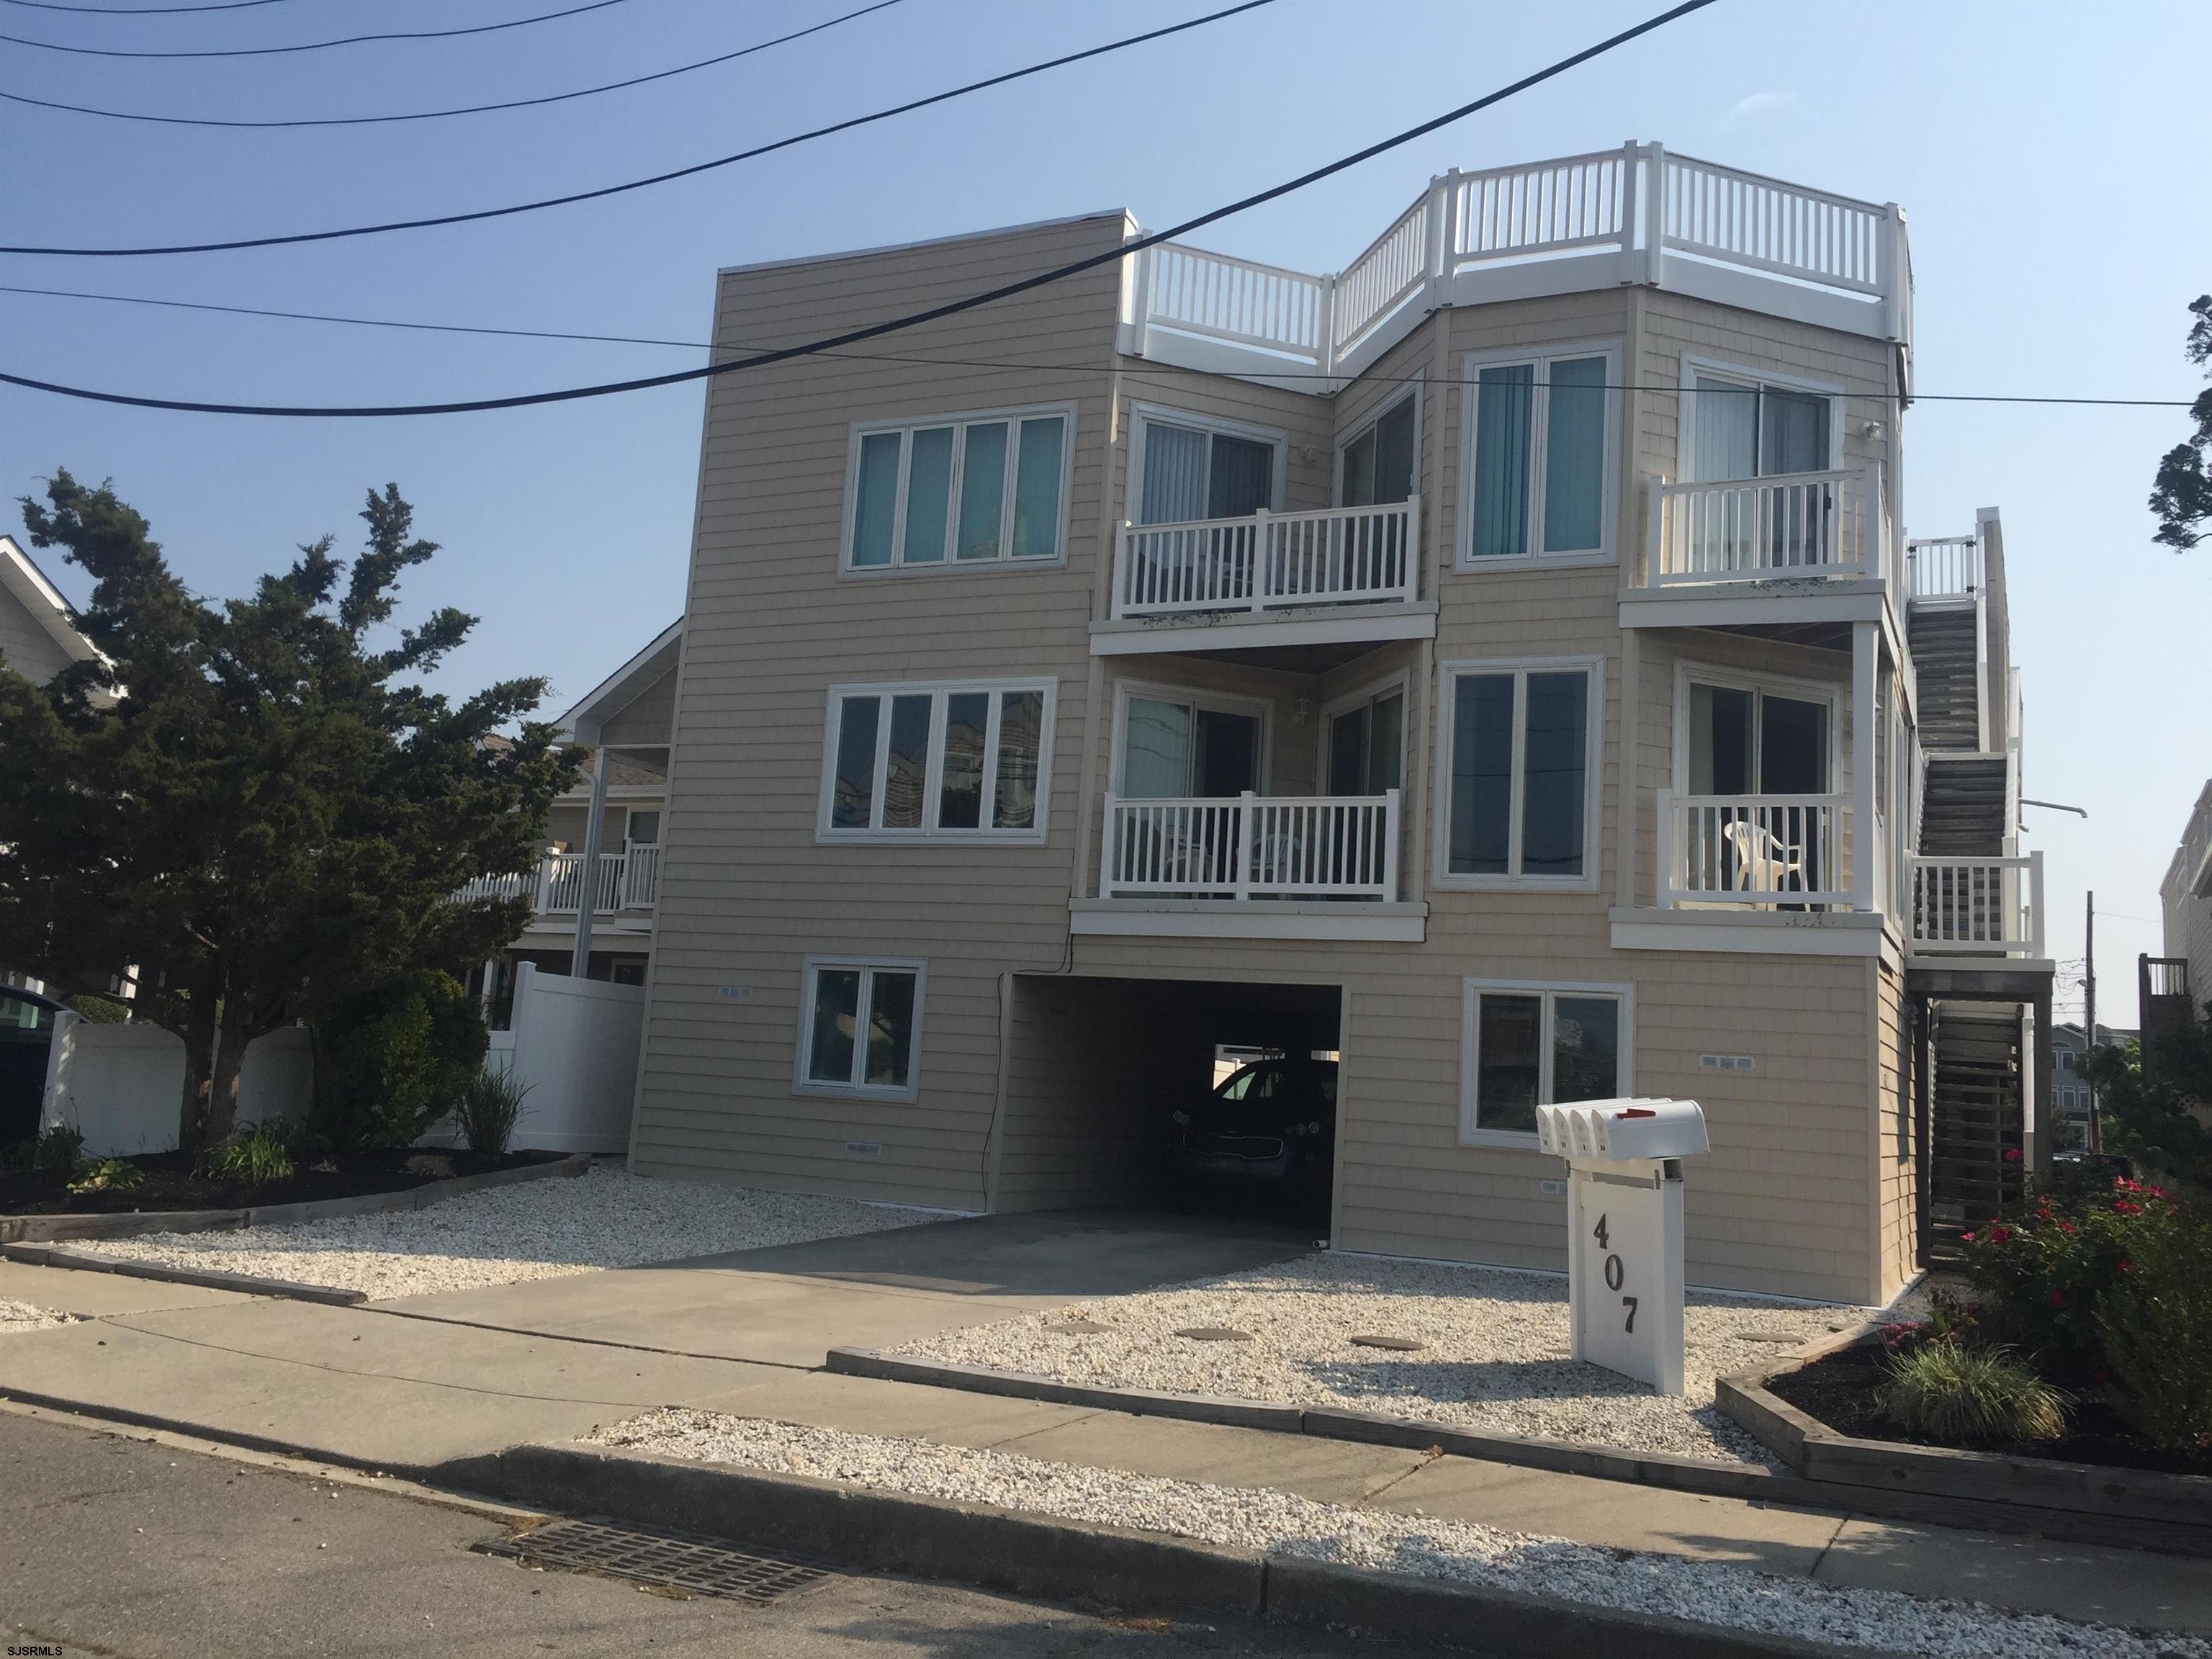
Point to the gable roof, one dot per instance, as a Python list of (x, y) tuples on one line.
[(607, 698), (42, 601)]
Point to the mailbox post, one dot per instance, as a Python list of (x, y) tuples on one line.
[(1625, 1229)]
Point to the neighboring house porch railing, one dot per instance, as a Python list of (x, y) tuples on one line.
[(1335, 556), (1830, 525), (627, 881), (1252, 846)]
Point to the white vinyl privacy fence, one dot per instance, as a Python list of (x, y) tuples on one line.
[(573, 1044), (122, 1086)]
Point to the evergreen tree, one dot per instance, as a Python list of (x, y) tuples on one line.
[(2181, 496)]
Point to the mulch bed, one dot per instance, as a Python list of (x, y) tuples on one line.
[(170, 1184), (1840, 1391)]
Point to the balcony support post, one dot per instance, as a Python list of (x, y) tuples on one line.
[(587, 886), (1866, 664), (1248, 824)]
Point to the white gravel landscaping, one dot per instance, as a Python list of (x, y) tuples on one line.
[(25, 1316), (532, 1229), (1279, 1523), (1493, 1355)]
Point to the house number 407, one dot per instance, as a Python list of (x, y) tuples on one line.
[(1615, 1272)]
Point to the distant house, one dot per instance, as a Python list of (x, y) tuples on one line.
[(2072, 1099), (38, 636), (2183, 975)]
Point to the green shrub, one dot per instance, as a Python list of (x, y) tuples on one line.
[(2041, 1275), (59, 1146), (1968, 1391), (490, 1107), (255, 1155), (100, 1011), (2157, 1326), (107, 1175), (391, 1062)]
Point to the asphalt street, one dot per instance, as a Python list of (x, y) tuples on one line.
[(117, 1545)]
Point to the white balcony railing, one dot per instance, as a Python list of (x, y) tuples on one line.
[(1761, 852), (1248, 846), (1828, 525), (1943, 567), (1338, 556), (628, 881), (1977, 906)]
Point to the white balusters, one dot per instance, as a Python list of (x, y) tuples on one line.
[(1252, 846), (1339, 556)]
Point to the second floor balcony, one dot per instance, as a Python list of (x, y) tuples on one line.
[(1808, 527), (627, 884)]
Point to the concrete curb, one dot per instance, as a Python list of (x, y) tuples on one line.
[(1130, 1571), (1815, 1488), (48, 1229), (52, 1256)]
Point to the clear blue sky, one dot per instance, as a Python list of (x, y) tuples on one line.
[(2049, 158)]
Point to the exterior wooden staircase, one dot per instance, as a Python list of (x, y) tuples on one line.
[(1979, 1100)]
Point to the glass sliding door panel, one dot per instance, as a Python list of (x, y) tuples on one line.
[(1793, 746), (1156, 750), (1228, 753), (982, 486), (1793, 433), (890, 1028), (1174, 490), (928, 496), (1554, 774), (1348, 751), (1021, 736), (875, 503), (1726, 444), (1574, 456), (1505, 430), (1241, 480), (1585, 1049), (853, 797), (1036, 490), (1721, 757), (1509, 1060), (1360, 471), (837, 1023), (1394, 454), (1482, 774), (1386, 738), (907, 776), (960, 790)]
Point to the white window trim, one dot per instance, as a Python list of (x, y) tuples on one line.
[(1829, 692), (1141, 418), (949, 565), (1470, 1131), (1441, 875), (1367, 424), (1400, 682), (810, 971), (630, 814), (938, 691), (1685, 414), (1221, 702), (1608, 547)]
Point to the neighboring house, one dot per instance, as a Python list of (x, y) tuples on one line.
[(1499, 664), (2177, 985), (2074, 1103), (626, 720), (38, 629)]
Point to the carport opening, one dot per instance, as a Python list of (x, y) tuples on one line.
[(1205, 1096)]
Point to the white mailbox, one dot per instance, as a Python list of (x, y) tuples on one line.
[(1625, 1229)]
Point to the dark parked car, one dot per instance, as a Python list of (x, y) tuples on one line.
[(26, 1031), (1270, 1125)]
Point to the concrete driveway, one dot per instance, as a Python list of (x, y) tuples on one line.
[(789, 1305)]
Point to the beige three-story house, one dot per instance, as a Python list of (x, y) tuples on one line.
[(1500, 664)]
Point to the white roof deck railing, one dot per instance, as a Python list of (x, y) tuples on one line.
[(1252, 846), (1634, 214), (1831, 524), (1939, 567), (1269, 561)]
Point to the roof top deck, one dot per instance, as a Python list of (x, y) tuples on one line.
[(1636, 215)]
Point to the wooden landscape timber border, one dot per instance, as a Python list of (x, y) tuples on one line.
[(52, 1229)]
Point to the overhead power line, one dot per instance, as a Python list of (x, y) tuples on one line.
[(1162, 371), (466, 109), (659, 177), (142, 11), (311, 46), (912, 319)]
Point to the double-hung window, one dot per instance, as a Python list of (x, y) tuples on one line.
[(1526, 1046), (1520, 755), (1537, 465), (958, 491), (860, 1027), (962, 760)]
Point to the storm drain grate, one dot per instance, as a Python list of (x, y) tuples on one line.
[(676, 1560)]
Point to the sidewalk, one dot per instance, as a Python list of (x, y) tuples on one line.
[(407, 1388)]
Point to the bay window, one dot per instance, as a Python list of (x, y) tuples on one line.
[(966, 760), (1537, 462), (958, 491)]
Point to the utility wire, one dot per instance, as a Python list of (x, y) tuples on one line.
[(1162, 371), (142, 11), (439, 114), (312, 46), (659, 177), (896, 325)]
